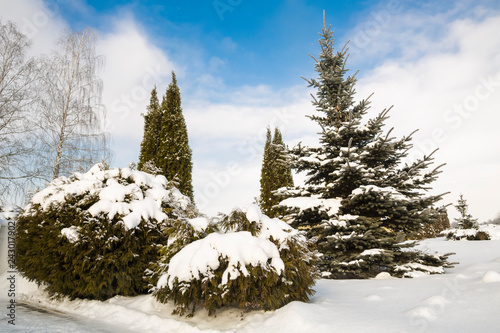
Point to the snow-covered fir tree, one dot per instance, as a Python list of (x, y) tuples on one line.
[(465, 221), (276, 173), (165, 143), (360, 203), (465, 227)]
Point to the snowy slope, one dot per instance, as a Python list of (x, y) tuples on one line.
[(465, 299)]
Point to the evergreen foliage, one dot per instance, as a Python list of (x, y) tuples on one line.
[(466, 234), (78, 236), (467, 227), (360, 202), (276, 173), (152, 128), (182, 232), (435, 228), (165, 143), (255, 286), (175, 154), (465, 221)]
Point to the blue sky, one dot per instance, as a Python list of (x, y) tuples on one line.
[(239, 65), (255, 42)]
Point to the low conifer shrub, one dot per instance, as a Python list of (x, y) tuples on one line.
[(245, 260), (95, 235)]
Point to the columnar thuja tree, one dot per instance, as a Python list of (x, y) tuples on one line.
[(276, 172), (165, 144), (283, 167), (175, 154), (359, 202), (152, 127)]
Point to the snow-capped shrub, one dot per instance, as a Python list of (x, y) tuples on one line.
[(94, 235), (253, 262), (466, 234), (180, 232)]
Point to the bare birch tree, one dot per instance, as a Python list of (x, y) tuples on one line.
[(17, 75), (70, 116)]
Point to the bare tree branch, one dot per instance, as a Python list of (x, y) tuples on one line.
[(70, 113), (17, 76)]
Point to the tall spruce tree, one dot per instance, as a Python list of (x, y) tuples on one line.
[(165, 145), (359, 202), (152, 129), (276, 173)]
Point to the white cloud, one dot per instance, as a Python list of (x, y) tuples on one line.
[(452, 93), (133, 66), (228, 44), (401, 29), (215, 63), (39, 21), (231, 136)]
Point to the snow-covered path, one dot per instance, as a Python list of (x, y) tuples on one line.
[(33, 319), (466, 299), (29, 318)]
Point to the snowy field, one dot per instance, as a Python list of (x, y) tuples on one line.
[(465, 299)]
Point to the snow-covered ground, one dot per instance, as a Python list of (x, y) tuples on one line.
[(493, 230), (465, 299)]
